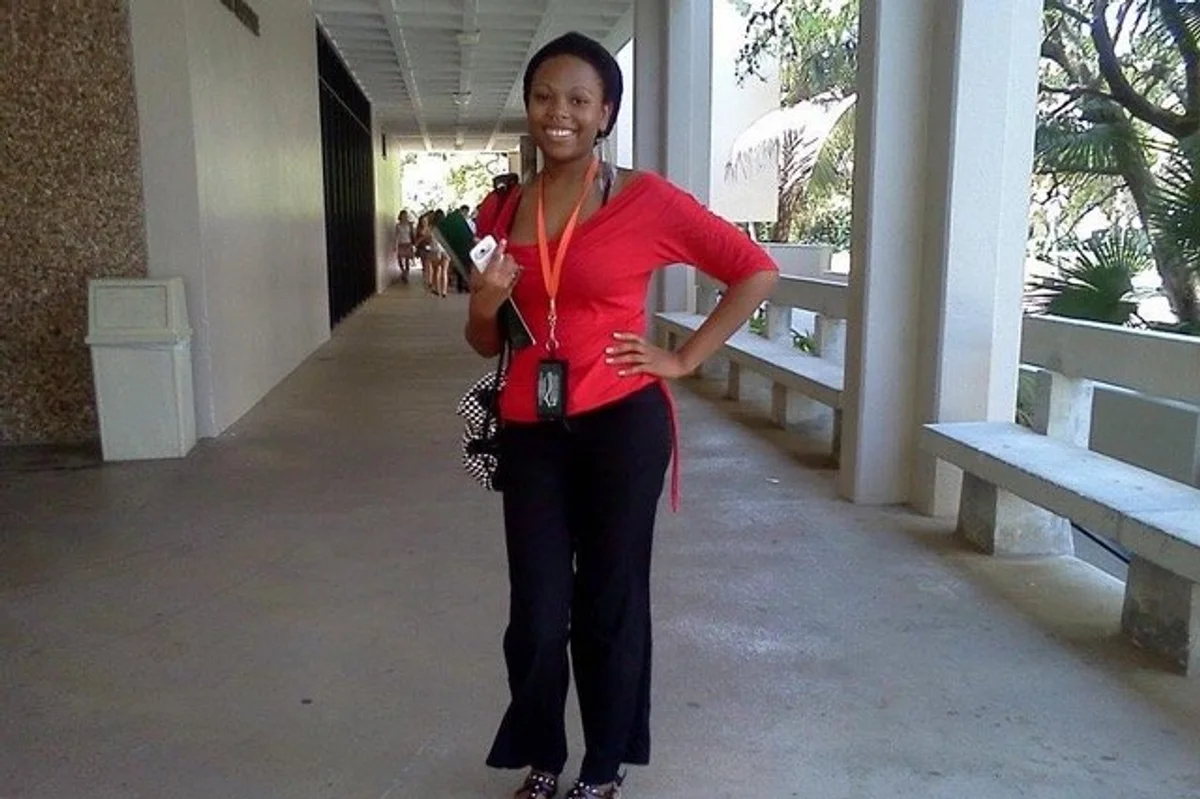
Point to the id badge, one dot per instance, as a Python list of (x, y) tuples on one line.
[(552, 390)]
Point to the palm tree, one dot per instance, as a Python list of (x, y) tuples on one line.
[(1174, 218), (1162, 178), (1120, 105), (812, 143)]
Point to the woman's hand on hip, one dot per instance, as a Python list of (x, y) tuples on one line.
[(491, 287), (633, 355)]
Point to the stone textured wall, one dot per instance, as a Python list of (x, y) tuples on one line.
[(70, 203)]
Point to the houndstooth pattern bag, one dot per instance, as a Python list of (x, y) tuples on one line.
[(479, 410)]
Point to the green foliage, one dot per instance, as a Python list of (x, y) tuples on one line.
[(828, 225), (1174, 210), (816, 41), (1078, 150), (1118, 123), (1120, 102), (801, 339), (1095, 281), (817, 45), (804, 341), (758, 321), (1026, 388), (469, 183), (448, 180), (826, 212)]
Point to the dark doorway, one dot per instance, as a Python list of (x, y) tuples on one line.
[(346, 144)]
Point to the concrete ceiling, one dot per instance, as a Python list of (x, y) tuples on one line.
[(446, 74)]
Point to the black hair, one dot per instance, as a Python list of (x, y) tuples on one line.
[(591, 51)]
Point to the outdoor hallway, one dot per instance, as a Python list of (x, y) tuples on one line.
[(312, 606)]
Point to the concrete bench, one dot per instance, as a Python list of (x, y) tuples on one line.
[(786, 367), (1154, 518)]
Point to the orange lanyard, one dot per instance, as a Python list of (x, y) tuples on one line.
[(552, 271)]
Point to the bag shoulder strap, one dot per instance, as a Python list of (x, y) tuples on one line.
[(508, 211)]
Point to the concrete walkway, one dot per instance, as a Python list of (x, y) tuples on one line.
[(311, 606)]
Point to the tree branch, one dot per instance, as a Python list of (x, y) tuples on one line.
[(1066, 10), (1173, 21), (1122, 16), (1179, 126), (1075, 92), (1061, 107), (1053, 50)]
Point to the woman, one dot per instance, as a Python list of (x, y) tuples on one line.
[(421, 243), (588, 423), (405, 253), (438, 257)]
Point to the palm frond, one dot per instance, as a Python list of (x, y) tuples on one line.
[(1096, 281), (1163, 16), (1064, 148), (1175, 203), (1190, 12), (760, 145), (829, 167)]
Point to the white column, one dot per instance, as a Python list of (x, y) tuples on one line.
[(650, 85), (620, 142), (672, 65), (689, 95), (946, 115), (528, 158)]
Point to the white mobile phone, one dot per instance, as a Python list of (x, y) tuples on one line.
[(481, 253)]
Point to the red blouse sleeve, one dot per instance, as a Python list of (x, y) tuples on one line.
[(691, 234)]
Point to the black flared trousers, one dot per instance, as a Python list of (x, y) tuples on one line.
[(579, 505)]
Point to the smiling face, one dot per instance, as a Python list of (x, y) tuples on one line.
[(566, 109)]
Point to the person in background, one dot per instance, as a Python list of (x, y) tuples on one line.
[(460, 282), (423, 242), (403, 244), (588, 426), (438, 258)]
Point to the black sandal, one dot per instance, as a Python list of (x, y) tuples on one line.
[(538, 785), (581, 790)]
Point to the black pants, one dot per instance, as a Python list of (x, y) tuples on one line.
[(579, 506)]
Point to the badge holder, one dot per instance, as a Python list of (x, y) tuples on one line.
[(551, 384), (552, 390)]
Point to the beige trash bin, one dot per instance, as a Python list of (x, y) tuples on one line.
[(141, 346)]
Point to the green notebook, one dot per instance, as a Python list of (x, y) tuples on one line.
[(457, 239)]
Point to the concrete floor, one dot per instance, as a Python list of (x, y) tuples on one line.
[(312, 605)]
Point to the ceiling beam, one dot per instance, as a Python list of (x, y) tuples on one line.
[(514, 94), (468, 48), (345, 7), (405, 60), (621, 33)]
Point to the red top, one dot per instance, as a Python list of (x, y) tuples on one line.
[(605, 279)]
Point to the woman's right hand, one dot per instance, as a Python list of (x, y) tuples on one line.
[(491, 287)]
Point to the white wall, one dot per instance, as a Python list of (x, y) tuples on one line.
[(230, 131), (803, 260), (621, 142), (753, 197), (1156, 434), (387, 207)]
